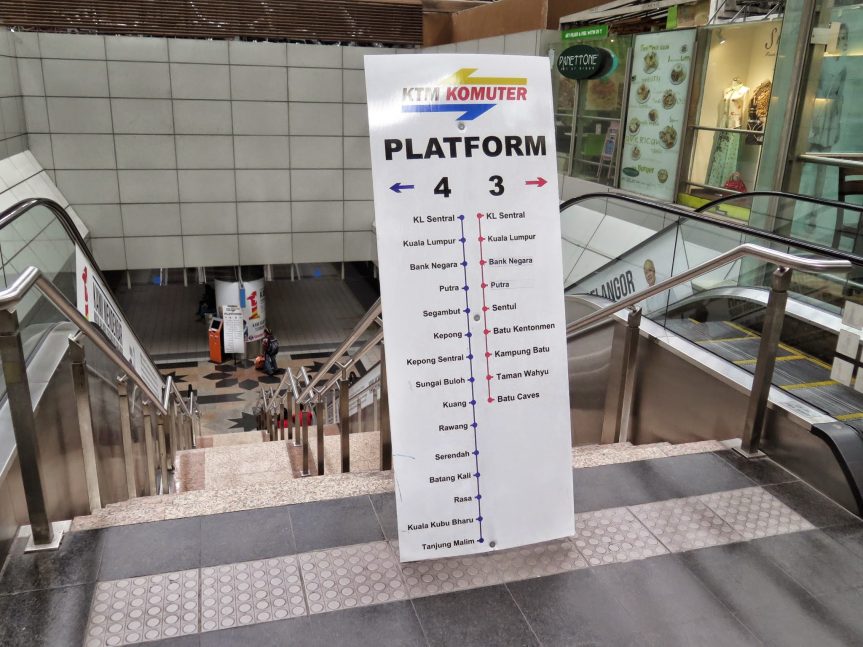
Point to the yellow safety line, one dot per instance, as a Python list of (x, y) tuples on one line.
[(851, 416), (814, 360), (714, 341), (784, 358), (809, 385), (745, 331)]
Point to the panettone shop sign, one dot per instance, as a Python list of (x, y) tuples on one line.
[(585, 62)]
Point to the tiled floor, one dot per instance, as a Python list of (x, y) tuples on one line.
[(306, 315), (654, 569)]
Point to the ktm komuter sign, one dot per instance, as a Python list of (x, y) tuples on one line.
[(464, 174)]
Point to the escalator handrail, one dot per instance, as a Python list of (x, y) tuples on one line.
[(17, 210), (696, 215), (747, 249), (780, 194), (33, 277)]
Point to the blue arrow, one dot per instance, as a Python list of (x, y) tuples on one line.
[(397, 187), (469, 111)]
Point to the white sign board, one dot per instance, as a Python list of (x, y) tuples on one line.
[(468, 230), (232, 329), (97, 305), (248, 295)]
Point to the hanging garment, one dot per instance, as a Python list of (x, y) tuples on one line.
[(723, 159)]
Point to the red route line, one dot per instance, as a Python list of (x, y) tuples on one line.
[(484, 307)]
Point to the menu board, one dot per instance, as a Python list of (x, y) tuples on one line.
[(658, 98)]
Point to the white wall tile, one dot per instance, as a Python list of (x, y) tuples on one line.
[(204, 151), (523, 43), (75, 78), (186, 50), (89, 187), (263, 186), (109, 253), (352, 57), (300, 55), (260, 217), (103, 220), (359, 245), (83, 151), (309, 84), (316, 152), (6, 46), (79, 115), (142, 116), (209, 218), (272, 248), (151, 220), (148, 186), (200, 81), (145, 151), (139, 80), (317, 216), (494, 45), (12, 112), (358, 185), (40, 146), (30, 77), (35, 114), (260, 118), (467, 47), (354, 86), (359, 215), (357, 152), (202, 117), (147, 253), (136, 48), (316, 185), (201, 251), (26, 44), (207, 186), (317, 248), (262, 151), (259, 83), (10, 85), (316, 118), (356, 118), (75, 46), (243, 53)]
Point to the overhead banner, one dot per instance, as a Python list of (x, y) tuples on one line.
[(656, 111), (95, 302), (468, 231)]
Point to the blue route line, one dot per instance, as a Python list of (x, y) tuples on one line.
[(469, 335)]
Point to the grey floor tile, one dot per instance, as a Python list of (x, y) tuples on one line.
[(245, 536), (817, 562), (486, 616), (449, 574), (296, 632), (340, 522), (386, 625), (811, 504), (385, 508), (754, 512), (850, 536), (184, 641), (75, 562), (45, 618), (135, 610), (803, 623), (613, 535), (150, 548), (685, 524), (761, 470), (571, 609), (537, 560), (718, 631)]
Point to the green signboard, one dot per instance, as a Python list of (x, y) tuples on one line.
[(590, 32)]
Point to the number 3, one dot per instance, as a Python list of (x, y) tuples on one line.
[(497, 180)]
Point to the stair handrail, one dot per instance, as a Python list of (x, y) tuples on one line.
[(747, 249)]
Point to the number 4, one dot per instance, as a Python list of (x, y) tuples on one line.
[(442, 187)]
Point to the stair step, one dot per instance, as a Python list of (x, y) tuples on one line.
[(237, 438)]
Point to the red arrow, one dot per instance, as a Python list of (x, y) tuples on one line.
[(538, 181)]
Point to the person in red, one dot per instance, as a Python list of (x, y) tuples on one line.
[(269, 349)]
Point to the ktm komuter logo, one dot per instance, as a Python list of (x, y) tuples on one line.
[(462, 92)]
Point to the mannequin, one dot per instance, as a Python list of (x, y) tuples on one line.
[(726, 145)]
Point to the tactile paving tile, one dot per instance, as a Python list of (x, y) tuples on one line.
[(755, 513), (614, 535), (251, 592), (685, 524), (434, 576), (141, 609), (537, 560), (351, 576)]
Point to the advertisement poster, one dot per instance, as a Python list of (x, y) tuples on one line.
[(95, 302), (248, 295), (468, 232), (656, 109)]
